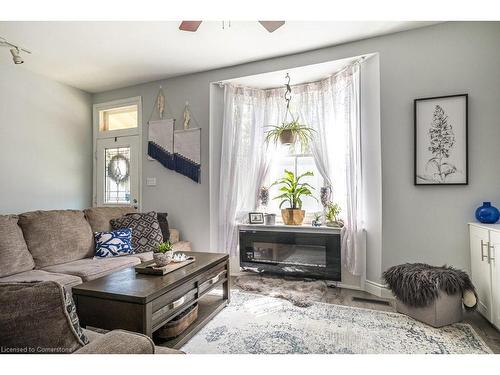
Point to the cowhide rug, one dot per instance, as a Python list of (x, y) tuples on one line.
[(302, 293)]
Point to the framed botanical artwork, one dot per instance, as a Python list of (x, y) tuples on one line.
[(441, 153), (256, 218)]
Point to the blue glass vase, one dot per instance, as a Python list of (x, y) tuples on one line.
[(487, 214)]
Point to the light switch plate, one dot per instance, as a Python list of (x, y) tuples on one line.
[(151, 181)]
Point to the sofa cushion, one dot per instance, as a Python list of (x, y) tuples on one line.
[(122, 344), (99, 217), (113, 244), (90, 269), (174, 235), (14, 254), (182, 246), (119, 342), (39, 275), (144, 257), (36, 318), (146, 232), (56, 237)]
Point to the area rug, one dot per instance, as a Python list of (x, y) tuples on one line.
[(254, 324), (300, 292)]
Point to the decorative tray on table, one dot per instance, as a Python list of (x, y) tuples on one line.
[(150, 267)]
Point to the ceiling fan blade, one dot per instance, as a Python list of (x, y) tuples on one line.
[(189, 25), (272, 25)]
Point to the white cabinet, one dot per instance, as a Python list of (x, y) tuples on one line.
[(484, 243), (495, 275)]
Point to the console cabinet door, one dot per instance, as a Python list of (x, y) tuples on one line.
[(480, 269), (495, 275)]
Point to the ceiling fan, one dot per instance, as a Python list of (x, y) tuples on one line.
[(193, 25)]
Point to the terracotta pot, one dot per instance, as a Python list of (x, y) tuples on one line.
[(288, 137), (293, 216), (162, 259)]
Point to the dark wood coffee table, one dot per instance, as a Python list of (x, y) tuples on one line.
[(144, 303)]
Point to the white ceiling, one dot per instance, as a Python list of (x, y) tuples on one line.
[(99, 56)]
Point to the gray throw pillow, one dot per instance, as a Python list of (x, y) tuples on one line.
[(163, 220), (146, 232)]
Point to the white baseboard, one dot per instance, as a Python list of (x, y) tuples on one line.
[(377, 289)]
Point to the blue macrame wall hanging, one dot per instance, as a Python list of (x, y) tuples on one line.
[(187, 153), (178, 150)]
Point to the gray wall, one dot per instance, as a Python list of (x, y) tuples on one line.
[(419, 223), (45, 143), (371, 164)]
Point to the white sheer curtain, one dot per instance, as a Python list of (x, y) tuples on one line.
[(245, 160), (331, 108), (346, 105)]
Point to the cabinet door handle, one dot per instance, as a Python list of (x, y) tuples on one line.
[(483, 257), (490, 258)]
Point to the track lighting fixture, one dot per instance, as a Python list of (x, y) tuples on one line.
[(15, 56), (14, 50)]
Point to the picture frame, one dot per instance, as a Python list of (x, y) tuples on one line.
[(441, 140), (256, 218)]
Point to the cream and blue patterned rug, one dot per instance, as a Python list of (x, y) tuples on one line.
[(255, 324)]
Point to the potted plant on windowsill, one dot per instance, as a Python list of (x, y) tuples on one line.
[(292, 191), (289, 133), (163, 254), (332, 215)]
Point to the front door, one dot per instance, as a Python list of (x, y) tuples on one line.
[(117, 171)]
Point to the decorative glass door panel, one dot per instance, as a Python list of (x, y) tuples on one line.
[(117, 176)]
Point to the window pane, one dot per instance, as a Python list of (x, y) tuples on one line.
[(276, 171), (307, 164), (298, 165), (117, 175), (118, 118)]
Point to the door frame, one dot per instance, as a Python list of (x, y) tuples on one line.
[(96, 134)]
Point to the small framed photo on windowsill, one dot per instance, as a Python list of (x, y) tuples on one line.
[(256, 218)]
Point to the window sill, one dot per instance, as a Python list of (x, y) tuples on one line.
[(289, 228)]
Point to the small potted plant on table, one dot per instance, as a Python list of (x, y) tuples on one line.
[(292, 192), (163, 254), (332, 215)]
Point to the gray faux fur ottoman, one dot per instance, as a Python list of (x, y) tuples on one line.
[(445, 309), (433, 295)]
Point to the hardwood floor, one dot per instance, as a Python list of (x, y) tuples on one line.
[(355, 298)]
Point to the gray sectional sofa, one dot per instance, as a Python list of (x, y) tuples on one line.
[(40, 318), (59, 246)]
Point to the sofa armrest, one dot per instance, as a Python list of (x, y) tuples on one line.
[(174, 236), (119, 342)]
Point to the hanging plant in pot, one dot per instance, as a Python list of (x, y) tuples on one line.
[(292, 191), (290, 131)]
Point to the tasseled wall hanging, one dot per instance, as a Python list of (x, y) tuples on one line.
[(187, 153), (178, 150), (161, 142)]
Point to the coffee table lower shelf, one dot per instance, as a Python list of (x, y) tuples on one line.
[(208, 307)]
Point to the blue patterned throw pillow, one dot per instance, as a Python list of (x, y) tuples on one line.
[(112, 244)]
